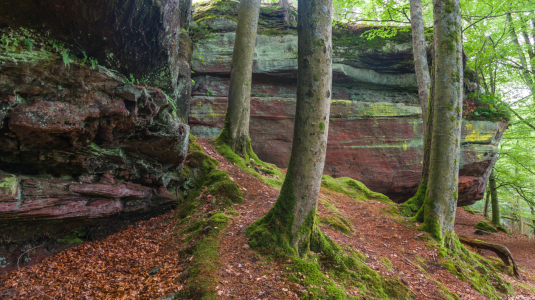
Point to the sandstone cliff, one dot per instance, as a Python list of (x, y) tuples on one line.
[(375, 133)]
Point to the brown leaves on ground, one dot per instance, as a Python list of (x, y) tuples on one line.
[(140, 262)]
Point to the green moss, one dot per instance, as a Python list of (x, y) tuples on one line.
[(503, 229), (415, 204), (448, 295), (268, 173), (387, 263), (201, 275), (322, 126), (102, 151), (9, 186), (203, 230), (468, 266), (485, 226), (338, 223), (351, 36), (353, 188), (192, 145)]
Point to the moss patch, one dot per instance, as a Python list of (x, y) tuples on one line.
[(266, 172), (213, 190), (482, 275), (353, 188), (485, 226)]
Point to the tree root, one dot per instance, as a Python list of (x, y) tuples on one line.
[(500, 250)]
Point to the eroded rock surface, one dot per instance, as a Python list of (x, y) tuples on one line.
[(78, 142)]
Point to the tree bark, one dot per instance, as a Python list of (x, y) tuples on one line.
[(284, 4), (291, 221), (442, 189), (235, 131), (532, 217), (424, 85), (420, 56), (185, 14), (494, 200), (523, 62), (486, 207)]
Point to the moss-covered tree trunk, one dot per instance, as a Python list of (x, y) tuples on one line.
[(494, 200), (442, 190), (235, 131), (487, 201), (291, 221), (423, 78)]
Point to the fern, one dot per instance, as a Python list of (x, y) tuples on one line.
[(65, 56)]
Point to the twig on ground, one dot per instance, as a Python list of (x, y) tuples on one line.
[(20, 273)]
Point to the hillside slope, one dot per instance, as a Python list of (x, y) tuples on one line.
[(204, 254)]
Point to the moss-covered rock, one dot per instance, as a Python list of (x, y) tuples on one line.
[(485, 226)]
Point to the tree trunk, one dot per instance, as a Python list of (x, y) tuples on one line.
[(525, 72), (442, 189), (235, 131), (486, 207), (284, 4), (291, 221), (532, 217), (424, 86), (494, 200), (185, 14)]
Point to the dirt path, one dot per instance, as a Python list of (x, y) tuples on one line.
[(144, 262), (377, 236), (522, 247)]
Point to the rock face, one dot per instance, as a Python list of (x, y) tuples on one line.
[(135, 38), (80, 143), (93, 101), (375, 133)]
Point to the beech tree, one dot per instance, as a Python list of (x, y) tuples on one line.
[(291, 222), (235, 132), (423, 79), (286, 6), (442, 190)]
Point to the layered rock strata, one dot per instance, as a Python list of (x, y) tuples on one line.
[(375, 133)]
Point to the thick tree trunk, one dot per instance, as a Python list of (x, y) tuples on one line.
[(424, 84), (486, 207), (442, 189), (235, 131), (494, 200), (291, 221), (284, 4)]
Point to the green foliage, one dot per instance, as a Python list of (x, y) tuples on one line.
[(488, 107)]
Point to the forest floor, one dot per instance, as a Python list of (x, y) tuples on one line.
[(144, 262)]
